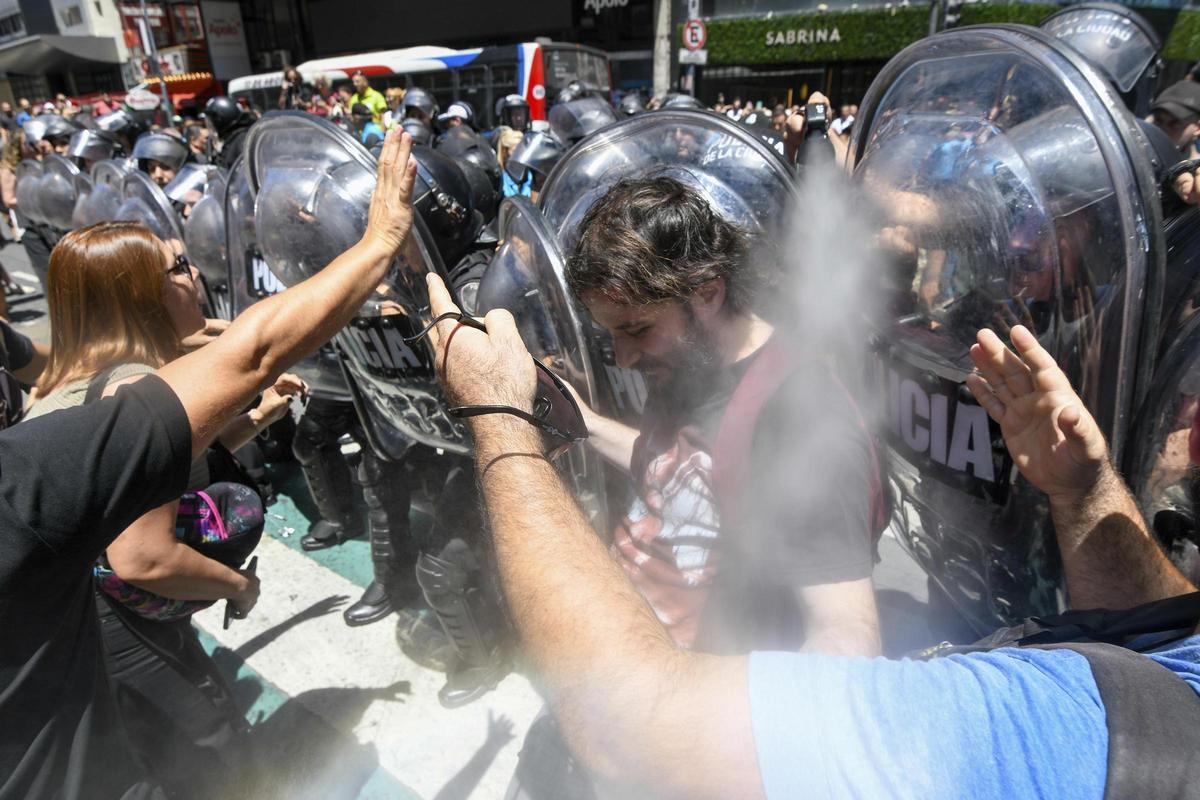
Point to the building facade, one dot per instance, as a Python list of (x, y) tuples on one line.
[(779, 51)]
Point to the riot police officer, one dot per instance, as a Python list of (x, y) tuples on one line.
[(230, 123), (160, 156), (420, 105), (513, 112)]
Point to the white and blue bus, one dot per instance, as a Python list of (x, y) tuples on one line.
[(481, 75)]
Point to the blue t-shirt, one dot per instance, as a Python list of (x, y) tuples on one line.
[(1004, 724)]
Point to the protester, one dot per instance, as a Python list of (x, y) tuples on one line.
[(292, 91), (1176, 111), (395, 113), (507, 140), (1007, 723), (844, 121), (459, 113), (369, 132), (14, 150), (23, 114), (73, 480), (21, 362), (115, 318), (197, 137), (363, 93)]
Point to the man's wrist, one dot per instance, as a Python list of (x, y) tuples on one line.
[(498, 435), (1106, 481)]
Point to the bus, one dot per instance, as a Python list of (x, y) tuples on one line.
[(481, 76)]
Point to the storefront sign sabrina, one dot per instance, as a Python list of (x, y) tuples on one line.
[(803, 36)]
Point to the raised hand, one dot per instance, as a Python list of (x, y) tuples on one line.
[(390, 216), (1051, 437)]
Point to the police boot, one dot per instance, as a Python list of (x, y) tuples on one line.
[(470, 615), (385, 489), (327, 472)]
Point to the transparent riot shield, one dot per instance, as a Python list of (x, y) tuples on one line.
[(58, 192), (1009, 187), (729, 165), (105, 199), (83, 197), (313, 185), (204, 236), (249, 280), (526, 276), (29, 179), (143, 201)]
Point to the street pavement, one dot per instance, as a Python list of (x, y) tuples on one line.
[(341, 711)]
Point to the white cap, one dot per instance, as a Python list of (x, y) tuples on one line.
[(455, 110)]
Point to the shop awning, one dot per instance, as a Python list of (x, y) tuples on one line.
[(36, 55)]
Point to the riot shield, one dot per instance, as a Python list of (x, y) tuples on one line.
[(105, 198), (249, 280), (188, 186), (313, 184), (83, 197), (1009, 187), (58, 192), (29, 179), (143, 201), (204, 235)]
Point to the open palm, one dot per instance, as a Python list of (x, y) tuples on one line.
[(1051, 437)]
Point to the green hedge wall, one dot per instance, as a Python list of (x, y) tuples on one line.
[(881, 33)]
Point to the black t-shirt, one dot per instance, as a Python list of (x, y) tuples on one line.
[(805, 510), (16, 353), (70, 482)]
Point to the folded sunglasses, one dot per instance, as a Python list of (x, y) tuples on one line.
[(555, 412)]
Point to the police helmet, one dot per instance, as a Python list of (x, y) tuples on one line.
[(576, 119), (572, 91), (1118, 42), (122, 125), (484, 197), (681, 100), (59, 130), (160, 147), (513, 111), (538, 152), (224, 114), (418, 130), (90, 145), (632, 104), (448, 205), (463, 144), (421, 100)]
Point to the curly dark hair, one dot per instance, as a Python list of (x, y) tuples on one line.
[(652, 240)]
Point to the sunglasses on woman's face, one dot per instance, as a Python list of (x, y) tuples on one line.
[(555, 411), (181, 266)]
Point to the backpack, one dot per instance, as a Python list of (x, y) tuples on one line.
[(1152, 714)]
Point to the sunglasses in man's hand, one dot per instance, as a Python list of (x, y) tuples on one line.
[(555, 412)]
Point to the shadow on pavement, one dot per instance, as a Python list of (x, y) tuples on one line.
[(459, 787), (301, 753)]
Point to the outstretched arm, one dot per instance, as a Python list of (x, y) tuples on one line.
[(219, 379), (1109, 557), (644, 716)]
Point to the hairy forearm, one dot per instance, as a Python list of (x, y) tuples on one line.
[(1109, 556), (628, 701), (218, 380)]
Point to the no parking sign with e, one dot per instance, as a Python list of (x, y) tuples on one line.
[(694, 34)]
